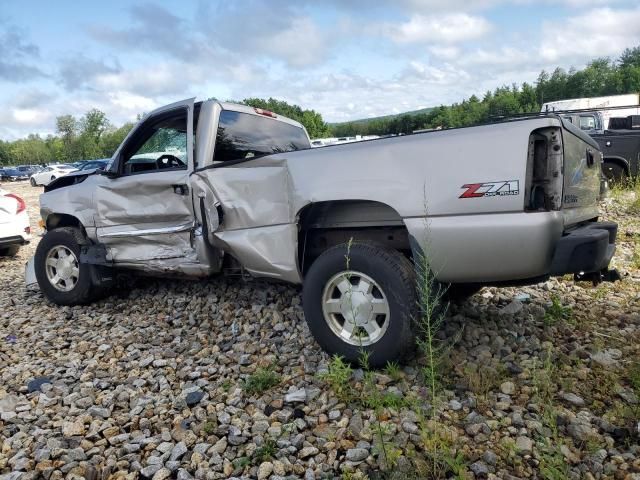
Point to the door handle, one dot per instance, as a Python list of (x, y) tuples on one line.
[(180, 189)]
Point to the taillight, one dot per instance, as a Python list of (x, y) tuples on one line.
[(21, 205), (266, 113)]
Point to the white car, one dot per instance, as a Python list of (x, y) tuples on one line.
[(49, 174), (14, 223)]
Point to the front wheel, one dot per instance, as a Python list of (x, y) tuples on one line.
[(61, 276), (362, 297), (33, 182)]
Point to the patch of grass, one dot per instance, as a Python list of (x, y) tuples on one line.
[(392, 369), (226, 385), (553, 465), (556, 312), (261, 380), (635, 259), (209, 427), (241, 463), (338, 376), (265, 452)]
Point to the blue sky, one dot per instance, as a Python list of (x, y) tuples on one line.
[(346, 59)]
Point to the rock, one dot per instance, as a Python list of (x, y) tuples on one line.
[(490, 457), (299, 395), (511, 309), (573, 399), (264, 470), (37, 383), (508, 388), (73, 429), (357, 454), (607, 358), (479, 469), (184, 475), (9, 403), (524, 444), (178, 451), (308, 452), (455, 405), (162, 474), (150, 470), (193, 398), (580, 431)]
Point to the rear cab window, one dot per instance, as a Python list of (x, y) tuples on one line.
[(243, 136)]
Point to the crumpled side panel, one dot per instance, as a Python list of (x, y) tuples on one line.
[(251, 197), (266, 251)]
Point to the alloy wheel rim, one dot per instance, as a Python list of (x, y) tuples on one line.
[(62, 268), (355, 308)]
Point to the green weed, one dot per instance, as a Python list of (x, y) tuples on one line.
[(556, 312), (337, 376), (261, 380)]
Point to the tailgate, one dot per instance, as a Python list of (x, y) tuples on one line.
[(582, 172)]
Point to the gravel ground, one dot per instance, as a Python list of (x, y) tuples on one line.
[(221, 378)]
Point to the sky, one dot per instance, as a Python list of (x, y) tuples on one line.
[(346, 59)]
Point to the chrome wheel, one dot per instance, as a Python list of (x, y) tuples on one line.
[(62, 268), (355, 308)]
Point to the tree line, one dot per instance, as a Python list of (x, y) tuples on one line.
[(601, 76), (93, 135)]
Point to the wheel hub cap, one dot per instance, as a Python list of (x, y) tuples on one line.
[(62, 268), (355, 308)]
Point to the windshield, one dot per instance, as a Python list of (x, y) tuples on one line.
[(244, 136)]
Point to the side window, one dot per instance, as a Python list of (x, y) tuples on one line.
[(161, 144), (587, 122)]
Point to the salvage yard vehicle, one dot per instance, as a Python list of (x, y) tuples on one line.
[(15, 230), (202, 188), (49, 174)]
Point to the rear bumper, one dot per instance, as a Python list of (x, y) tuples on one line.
[(586, 249)]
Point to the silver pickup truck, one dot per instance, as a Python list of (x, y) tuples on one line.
[(200, 188)]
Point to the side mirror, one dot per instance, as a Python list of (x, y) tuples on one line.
[(107, 173)]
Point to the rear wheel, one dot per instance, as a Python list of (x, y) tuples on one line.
[(613, 172), (61, 276), (362, 298), (33, 182)]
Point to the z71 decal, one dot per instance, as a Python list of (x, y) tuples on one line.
[(500, 188)]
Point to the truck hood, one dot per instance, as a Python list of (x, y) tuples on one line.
[(72, 178)]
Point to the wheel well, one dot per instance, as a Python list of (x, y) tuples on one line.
[(617, 161), (323, 225), (58, 220)]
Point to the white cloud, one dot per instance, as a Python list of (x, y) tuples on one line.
[(597, 33), (446, 28)]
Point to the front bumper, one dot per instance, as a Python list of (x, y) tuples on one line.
[(586, 249)]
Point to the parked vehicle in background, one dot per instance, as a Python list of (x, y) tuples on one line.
[(620, 148), (49, 174), (598, 104), (514, 202), (94, 164), (14, 223), (14, 175)]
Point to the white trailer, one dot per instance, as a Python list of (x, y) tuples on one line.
[(600, 104)]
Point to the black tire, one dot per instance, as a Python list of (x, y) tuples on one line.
[(461, 292), (613, 172), (86, 288), (33, 182), (396, 279), (11, 251)]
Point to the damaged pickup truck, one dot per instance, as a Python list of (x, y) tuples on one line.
[(201, 188)]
